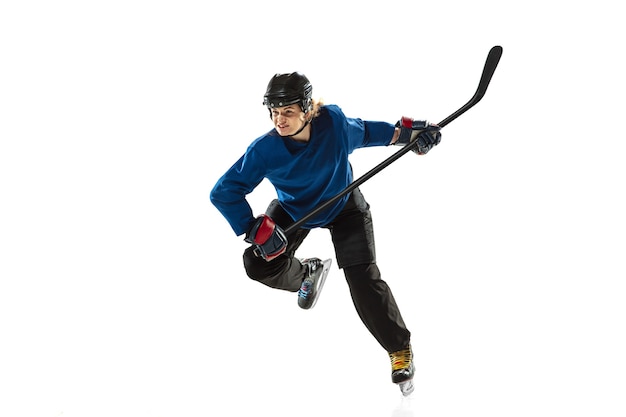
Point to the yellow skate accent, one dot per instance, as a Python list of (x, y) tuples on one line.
[(401, 359)]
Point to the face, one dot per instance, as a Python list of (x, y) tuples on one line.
[(288, 120)]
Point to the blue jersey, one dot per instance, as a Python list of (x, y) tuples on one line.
[(304, 174)]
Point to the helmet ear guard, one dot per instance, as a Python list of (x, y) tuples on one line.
[(286, 89)]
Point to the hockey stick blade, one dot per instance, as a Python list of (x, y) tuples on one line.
[(490, 67), (493, 58)]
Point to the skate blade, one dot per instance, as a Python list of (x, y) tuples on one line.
[(406, 387), (325, 269)]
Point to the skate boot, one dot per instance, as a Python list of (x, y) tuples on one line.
[(317, 270), (402, 369)]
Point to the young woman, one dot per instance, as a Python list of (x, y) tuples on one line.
[(305, 157)]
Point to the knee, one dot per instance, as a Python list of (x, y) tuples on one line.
[(362, 274), (259, 269), (253, 265)]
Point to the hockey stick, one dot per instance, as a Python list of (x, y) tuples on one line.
[(493, 58), (490, 67)]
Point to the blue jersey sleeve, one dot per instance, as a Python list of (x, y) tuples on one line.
[(229, 193)]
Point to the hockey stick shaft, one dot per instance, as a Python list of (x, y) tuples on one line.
[(490, 66)]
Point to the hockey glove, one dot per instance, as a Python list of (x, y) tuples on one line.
[(426, 134), (267, 237)]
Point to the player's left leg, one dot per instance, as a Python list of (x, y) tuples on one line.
[(353, 237)]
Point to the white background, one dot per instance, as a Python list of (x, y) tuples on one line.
[(122, 291)]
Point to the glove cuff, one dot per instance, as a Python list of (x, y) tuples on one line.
[(409, 129)]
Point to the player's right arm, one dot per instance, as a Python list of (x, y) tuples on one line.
[(229, 193)]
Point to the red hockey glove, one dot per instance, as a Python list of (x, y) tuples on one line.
[(426, 134), (267, 237)]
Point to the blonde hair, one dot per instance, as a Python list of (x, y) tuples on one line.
[(316, 105)]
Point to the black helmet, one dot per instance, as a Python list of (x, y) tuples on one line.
[(286, 89)]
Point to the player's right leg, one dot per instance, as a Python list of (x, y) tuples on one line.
[(285, 272)]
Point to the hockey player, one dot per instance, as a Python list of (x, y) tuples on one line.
[(305, 158)]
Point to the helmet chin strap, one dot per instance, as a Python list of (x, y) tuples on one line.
[(306, 123), (299, 130)]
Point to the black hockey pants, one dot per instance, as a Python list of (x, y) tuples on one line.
[(353, 238)]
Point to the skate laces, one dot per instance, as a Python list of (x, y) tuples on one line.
[(401, 359), (305, 289), (307, 284)]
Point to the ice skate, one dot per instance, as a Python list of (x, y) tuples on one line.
[(309, 292), (402, 370)]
